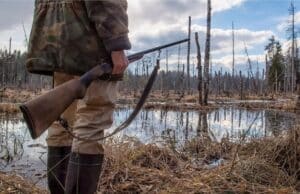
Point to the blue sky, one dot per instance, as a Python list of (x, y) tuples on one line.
[(155, 22), (257, 15), (254, 14)]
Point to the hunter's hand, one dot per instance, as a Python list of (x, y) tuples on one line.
[(120, 62)]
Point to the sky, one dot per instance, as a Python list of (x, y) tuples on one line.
[(157, 22)]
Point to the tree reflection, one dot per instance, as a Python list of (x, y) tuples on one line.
[(202, 127), (275, 122), (11, 140)]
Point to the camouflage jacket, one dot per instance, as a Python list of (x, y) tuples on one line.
[(72, 36)]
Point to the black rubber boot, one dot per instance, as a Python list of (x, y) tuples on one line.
[(83, 173), (57, 165)]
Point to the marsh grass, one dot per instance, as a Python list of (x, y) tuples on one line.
[(261, 166)]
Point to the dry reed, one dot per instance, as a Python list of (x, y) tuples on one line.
[(262, 166)]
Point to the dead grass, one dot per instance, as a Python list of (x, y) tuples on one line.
[(17, 184), (9, 107), (286, 104), (15, 95), (261, 166)]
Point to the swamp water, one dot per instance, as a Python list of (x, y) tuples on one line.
[(27, 157)]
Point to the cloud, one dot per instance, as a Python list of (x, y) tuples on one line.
[(173, 11), (17, 35), (152, 23), (222, 39), (287, 45), (149, 18), (286, 21), (241, 62), (14, 12)]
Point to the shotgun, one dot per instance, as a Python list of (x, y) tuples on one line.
[(41, 112)]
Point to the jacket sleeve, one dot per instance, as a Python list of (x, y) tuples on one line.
[(111, 21)]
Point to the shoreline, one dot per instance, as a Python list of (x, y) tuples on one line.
[(10, 99), (282, 105)]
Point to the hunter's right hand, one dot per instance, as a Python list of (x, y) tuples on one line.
[(120, 62)]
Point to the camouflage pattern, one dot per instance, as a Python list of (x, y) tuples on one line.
[(72, 36)]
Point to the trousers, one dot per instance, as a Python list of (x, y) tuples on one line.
[(88, 117)]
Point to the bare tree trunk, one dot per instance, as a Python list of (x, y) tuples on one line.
[(182, 82), (178, 70), (251, 76), (199, 68), (276, 83), (298, 81), (262, 86), (233, 51), (9, 47), (292, 11), (298, 101), (241, 86), (167, 70), (188, 56), (207, 53), (219, 83)]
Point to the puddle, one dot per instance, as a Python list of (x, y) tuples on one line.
[(153, 126)]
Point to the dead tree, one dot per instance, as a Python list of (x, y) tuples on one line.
[(199, 68), (241, 86), (233, 51), (188, 57), (266, 80), (292, 37), (219, 83), (182, 82), (298, 89), (298, 102), (178, 70), (207, 54), (167, 70), (251, 76)]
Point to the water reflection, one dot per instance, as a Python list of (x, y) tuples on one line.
[(11, 147), (18, 152), (162, 126)]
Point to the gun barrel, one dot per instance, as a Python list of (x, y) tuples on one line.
[(139, 55)]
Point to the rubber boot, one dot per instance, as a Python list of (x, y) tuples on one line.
[(83, 173), (57, 165)]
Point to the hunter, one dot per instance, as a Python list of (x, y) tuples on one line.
[(68, 38)]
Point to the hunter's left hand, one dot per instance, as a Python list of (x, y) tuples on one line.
[(120, 62)]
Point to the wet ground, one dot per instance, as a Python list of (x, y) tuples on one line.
[(20, 154)]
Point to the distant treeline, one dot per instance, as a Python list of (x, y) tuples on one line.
[(13, 72), (221, 83)]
